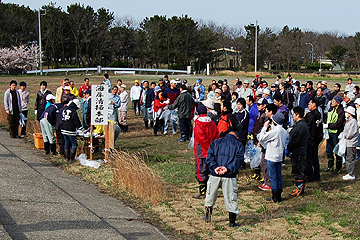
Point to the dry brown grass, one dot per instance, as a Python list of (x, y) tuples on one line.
[(132, 174), (3, 116)]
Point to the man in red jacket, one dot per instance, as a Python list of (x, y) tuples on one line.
[(205, 131)]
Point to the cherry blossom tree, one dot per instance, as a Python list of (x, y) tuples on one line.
[(22, 57)]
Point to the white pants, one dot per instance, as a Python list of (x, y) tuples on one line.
[(47, 131), (229, 189)]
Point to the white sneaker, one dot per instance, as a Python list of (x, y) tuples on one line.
[(165, 133), (348, 177), (174, 133)]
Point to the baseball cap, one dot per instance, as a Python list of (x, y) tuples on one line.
[(137, 81), (273, 85), (87, 92), (262, 101), (217, 90), (324, 82), (338, 99), (246, 81), (67, 88), (123, 85), (157, 89), (173, 81)]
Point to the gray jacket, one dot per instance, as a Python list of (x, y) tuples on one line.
[(351, 133), (8, 101)]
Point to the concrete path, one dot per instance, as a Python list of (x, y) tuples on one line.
[(40, 201)]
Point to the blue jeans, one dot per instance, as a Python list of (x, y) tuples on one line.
[(70, 142), (173, 118), (274, 169), (184, 124)]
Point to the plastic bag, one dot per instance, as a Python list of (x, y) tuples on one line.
[(326, 133), (89, 163), (340, 148), (22, 120), (249, 150), (256, 159)]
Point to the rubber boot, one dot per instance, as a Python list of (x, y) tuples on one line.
[(300, 188), (256, 175), (274, 196), (182, 138), (151, 124), (47, 147), (338, 165), (208, 214), (146, 124), (72, 154), (53, 149), (232, 219), (279, 195), (67, 154), (330, 165), (202, 192)]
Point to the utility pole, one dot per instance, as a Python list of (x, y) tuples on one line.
[(256, 26), (312, 52), (40, 51)]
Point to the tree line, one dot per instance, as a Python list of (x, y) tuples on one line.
[(82, 36)]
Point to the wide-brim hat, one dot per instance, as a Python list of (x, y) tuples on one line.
[(350, 110), (209, 103)]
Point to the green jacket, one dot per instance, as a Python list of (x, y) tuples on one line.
[(184, 103), (335, 119)]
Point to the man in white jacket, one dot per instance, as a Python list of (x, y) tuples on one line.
[(274, 142), (135, 96)]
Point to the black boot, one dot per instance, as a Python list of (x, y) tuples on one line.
[(146, 124), (182, 138), (208, 214), (53, 149), (47, 147), (126, 127), (279, 195), (274, 196), (66, 153), (232, 218), (72, 155), (202, 192), (338, 165), (151, 124), (330, 165)]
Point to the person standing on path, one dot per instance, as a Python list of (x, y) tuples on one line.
[(298, 140), (12, 103), (25, 98), (224, 159), (205, 131), (123, 109), (135, 93), (40, 101)]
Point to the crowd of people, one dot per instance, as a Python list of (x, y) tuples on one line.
[(285, 118)]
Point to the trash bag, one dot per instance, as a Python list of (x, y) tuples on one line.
[(326, 133), (256, 159), (340, 148), (249, 148), (89, 163)]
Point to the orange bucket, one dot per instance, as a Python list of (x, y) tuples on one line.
[(38, 140)]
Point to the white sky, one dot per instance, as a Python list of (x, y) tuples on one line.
[(315, 15)]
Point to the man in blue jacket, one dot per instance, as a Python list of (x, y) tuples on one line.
[(253, 112), (224, 159)]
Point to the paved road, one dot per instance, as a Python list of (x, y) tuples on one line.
[(40, 201)]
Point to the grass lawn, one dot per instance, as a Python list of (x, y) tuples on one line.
[(329, 210)]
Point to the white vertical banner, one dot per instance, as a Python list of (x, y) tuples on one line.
[(208, 69), (99, 104)]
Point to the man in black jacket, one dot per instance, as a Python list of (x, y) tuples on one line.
[(40, 102), (70, 123), (298, 139), (185, 104), (315, 126)]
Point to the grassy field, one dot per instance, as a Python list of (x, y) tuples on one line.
[(329, 210)]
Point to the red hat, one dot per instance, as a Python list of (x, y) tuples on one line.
[(257, 75)]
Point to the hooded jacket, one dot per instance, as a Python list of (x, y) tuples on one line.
[(70, 120), (205, 131)]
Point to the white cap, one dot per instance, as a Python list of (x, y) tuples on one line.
[(76, 101), (49, 97), (67, 88), (123, 85), (350, 110), (266, 91), (173, 81), (357, 101)]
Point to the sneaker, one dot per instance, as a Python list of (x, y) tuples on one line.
[(265, 187), (87, 134), (348, 177), (174, 133), (165, 133)]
